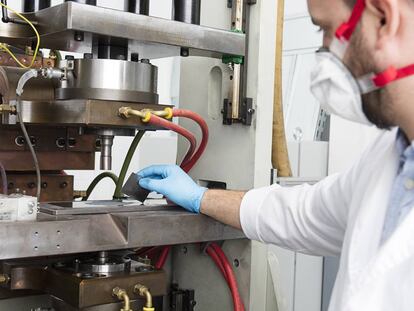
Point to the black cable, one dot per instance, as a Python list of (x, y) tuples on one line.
[(29, 144), (4, 179)]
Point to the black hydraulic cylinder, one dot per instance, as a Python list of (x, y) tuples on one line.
[(137, 6), (187, 11), (35, 5)]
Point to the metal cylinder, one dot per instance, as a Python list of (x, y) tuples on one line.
[(35, 5), (109, 79), (106, 152), (137, 6), (90, 2), (187, 11)]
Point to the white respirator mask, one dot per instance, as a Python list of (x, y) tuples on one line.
[(336, 89), (334, 86)]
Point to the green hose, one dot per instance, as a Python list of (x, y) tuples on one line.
[(97, 180), (125, 166)]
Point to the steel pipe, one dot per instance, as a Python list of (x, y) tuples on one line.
[(137, 6), (35, 5), (187, 11), (106, 152)]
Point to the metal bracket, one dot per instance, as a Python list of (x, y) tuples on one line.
[(246, 112), (182, 299), (251, 2)]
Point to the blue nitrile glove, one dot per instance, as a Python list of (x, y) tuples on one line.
[(172, 182)]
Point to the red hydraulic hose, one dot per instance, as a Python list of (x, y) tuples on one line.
[(231, 278), (160, 122), (188, 165), (146, 251), (188, 162), (157, 121), (216, 260), (163, 257)]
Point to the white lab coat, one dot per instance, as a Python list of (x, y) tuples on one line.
[(344, 215)]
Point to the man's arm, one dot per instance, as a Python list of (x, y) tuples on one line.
[(309, 219), (223, 206), (177, 186)]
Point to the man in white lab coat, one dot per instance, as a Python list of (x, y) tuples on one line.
[(365, 214)]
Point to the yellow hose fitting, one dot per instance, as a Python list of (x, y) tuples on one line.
[(147, 117), (169, 112), (122, 295), (143, 291)]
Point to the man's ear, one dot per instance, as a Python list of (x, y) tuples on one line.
[(388, 14)]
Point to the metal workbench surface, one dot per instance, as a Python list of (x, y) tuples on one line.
[(137, 226)]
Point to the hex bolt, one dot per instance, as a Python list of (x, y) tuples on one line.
[(79, 36), (20, 141), (134, 57), (61, 142), (71, 142)]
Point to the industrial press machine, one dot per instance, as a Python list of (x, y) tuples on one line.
[(58, 111)]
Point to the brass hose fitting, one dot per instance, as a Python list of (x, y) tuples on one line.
[(124, 112), (122, 295), (4, 279), (145, 114), (143, 291), (167, 113), (8, 108)]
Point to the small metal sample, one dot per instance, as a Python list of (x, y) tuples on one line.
[(134, 190)]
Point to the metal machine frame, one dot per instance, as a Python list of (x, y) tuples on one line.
[(124, 225)]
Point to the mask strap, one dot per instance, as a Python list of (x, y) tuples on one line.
[(345, 31), (372, 82), (392, 74)]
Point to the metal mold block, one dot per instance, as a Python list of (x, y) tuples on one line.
[(92, 113), (153, 226), (58, 24)]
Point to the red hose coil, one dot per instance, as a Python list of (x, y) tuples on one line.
[(190, 159), (160, 122), (231, 278), (189, 164), (213, 255)]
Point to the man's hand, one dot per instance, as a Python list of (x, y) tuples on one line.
[(172, 182)]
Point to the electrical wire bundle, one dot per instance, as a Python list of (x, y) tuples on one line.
[(6, 48)]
